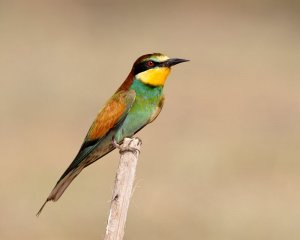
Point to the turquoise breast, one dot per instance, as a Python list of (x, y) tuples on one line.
[(146, 100)]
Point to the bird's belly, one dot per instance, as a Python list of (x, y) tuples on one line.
[(137, 118)]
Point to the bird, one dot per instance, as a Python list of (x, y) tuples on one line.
[(136, 103)]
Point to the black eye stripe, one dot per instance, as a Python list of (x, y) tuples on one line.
[(141, 67)]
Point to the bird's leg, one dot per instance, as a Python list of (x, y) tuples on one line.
[(125, 149)]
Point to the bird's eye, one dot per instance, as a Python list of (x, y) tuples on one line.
[(150, 63)]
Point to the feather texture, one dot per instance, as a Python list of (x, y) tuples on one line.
[(100, 133)]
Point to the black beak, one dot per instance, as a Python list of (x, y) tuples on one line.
[(173, 61)]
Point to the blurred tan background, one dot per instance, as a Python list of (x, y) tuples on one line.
[(222, 161)]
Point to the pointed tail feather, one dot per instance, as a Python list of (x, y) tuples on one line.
[(41, 209), (73, 170), (60, 187)]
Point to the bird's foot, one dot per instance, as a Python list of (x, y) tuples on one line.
[(140, 140), (123, 149)]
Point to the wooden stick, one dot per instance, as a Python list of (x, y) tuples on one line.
[(129, 154)]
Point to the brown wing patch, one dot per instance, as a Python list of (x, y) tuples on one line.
[(109, 116)]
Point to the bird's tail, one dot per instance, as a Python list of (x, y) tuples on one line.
[(60, 187), (82, 160)]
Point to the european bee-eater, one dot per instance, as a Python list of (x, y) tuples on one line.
[(136, 103)]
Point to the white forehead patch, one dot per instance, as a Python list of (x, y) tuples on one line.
[(161, 58)]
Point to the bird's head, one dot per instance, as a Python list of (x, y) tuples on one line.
[(153, 69)]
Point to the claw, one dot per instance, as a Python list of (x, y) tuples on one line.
[(116, 145), (126, 149), (140, 140)]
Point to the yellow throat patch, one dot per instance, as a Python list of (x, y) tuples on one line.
[(154, 76)]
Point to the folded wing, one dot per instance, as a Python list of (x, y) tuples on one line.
[(108, 120)]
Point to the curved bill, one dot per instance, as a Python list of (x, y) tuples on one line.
[(173, 61)]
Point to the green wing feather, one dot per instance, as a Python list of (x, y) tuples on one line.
[(98, 139), (108, 119)]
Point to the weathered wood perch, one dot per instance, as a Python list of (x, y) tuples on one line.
[(123, 189)]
